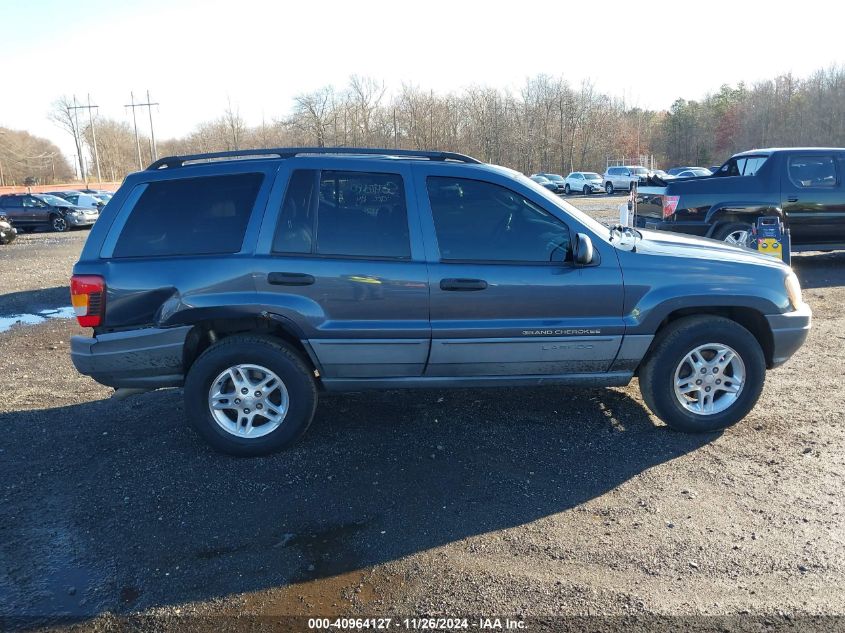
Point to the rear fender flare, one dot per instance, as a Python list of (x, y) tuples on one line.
[(750, 210)]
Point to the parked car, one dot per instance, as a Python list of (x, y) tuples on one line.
[(556, 179), (697, 172), (30, 211), (585, 182), (803, 186), (545, 182), (675, 171), (8, 233), (79, 199), (428, 269), (624, 177)]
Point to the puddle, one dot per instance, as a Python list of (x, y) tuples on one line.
[(7, 322)]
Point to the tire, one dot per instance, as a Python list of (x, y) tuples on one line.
[(608, 187), (567, 190), (733, 233), (667, 360), (255, 351), (58, 224), (586, 190)]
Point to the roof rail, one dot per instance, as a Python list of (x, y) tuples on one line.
[(170, 162)]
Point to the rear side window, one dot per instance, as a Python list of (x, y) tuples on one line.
[(742, 166), (812, 171), (344, 214), (194, 216)]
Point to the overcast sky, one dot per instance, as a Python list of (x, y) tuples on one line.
[(193, 55)]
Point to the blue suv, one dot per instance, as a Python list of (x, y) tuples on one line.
[(258, 279)]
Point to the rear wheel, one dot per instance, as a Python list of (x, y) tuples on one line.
[(250, 395), (608, 187), (737, 233), (58, 223), (703, 374), (566, 189)]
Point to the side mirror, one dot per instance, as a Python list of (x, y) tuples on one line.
[(583, 249)]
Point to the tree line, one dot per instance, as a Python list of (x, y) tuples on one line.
[(547, 125)]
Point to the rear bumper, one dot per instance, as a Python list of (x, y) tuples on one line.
[(700, 229), (147, 358), (789, 331)]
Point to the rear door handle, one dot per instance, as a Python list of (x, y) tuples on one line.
[(290, 279), (463, 284), (792, 199)]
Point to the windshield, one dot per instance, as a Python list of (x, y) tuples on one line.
[(595, 226), (591, 176), (554, 177), (53, 200), (639, 170)]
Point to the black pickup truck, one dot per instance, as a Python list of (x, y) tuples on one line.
[(804, 186)]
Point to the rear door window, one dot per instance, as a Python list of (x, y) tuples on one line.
[(192, 216), (812, 171), (344, 214)]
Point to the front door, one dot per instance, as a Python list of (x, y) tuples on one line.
[(345, 255), (812, 197), (506, 297)]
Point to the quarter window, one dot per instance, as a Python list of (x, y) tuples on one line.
[(193, 216), (812, 171), (480, 221), (345, 214)]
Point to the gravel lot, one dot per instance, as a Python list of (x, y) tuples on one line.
[(531, 502)]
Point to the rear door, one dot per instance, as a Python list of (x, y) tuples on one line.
[(344, 260), (813, 197), (35, 211), (506, 299), (13, 208)]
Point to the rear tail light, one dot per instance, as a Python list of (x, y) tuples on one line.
[(88, 298), (670, 204)]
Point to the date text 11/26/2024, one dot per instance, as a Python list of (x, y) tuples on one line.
[(417, 624)]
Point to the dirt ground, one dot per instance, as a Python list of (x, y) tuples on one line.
[(527, 503)]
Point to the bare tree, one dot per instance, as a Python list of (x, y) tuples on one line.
[(65, 116)]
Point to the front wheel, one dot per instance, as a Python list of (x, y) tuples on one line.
[(567, 190), (608, 187), (58, 224), (250, 395), (586, 190), (703, 374)]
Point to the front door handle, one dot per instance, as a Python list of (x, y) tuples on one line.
[(792, 199), (463, 284), (290, 279)]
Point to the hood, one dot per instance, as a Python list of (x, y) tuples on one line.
[(680, 245)]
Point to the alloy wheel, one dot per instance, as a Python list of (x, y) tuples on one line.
[(709, 379), (248, 401)]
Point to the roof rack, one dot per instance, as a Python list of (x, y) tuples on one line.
[(170, 162)]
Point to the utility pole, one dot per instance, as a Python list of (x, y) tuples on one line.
[(75, 108), (149, 106), (134, 105), (90, 107)]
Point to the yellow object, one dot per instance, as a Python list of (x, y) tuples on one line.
[(770, 246)]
